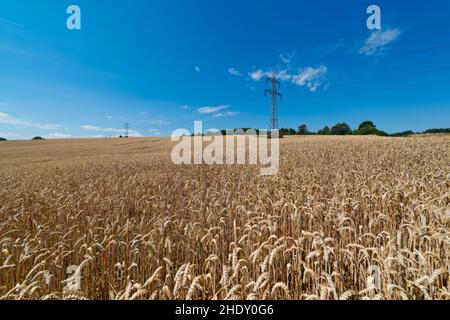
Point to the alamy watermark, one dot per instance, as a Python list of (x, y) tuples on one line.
[(74, 20), (374, 21), (235, 147)]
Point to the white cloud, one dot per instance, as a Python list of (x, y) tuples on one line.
[(13, 136), (197, 68), (283, 75), (131, 133), (209, 110), (153, 130), (234, 72), (309, 77), (48, 126), (154, 121), (10, 120), (58, 136), (158, 122), (258, 74), (378, 40), (134, 134), (225, 114)]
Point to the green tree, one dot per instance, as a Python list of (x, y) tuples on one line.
[(2, 139), (341, 129), (325, 131), (303, 130), (37, 138), (367, 124)]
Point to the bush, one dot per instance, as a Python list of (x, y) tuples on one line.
[(37, 138), (3, 139)]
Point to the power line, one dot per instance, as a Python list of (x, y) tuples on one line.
[(405, 53), (399, 67), (428, 83), (421, 50), (392, 77), (406, 86)]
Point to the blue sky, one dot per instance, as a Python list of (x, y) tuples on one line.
[(160, 65)]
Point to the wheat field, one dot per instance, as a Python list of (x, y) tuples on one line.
[(345, 218)]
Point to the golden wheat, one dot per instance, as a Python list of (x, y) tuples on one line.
[(345, 218)]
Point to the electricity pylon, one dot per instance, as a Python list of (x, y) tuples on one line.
[(274, 96)]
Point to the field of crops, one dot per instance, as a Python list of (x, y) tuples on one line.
[(345, 218)]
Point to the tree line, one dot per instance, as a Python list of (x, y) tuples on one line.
[(365, 128), (339, 129)]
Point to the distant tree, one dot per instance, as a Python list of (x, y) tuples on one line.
[(367, 124), (3, 139), (368, 131), (403, 134), (438, 131), (303, 130), (288, 131), (325, 131), (341, 129), (37, 138)]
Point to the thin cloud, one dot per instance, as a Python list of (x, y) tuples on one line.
[(12, 23), (226, 114), (234, 72), (185, 107), (10, 120), (157, 122), (287, 57), (197, 68), (58, 136), (13, 136), (88, 127), (154, 121), (378, 41), (209, 110)]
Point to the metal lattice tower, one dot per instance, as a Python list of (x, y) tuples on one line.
[(126, 127), (274, 96)]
